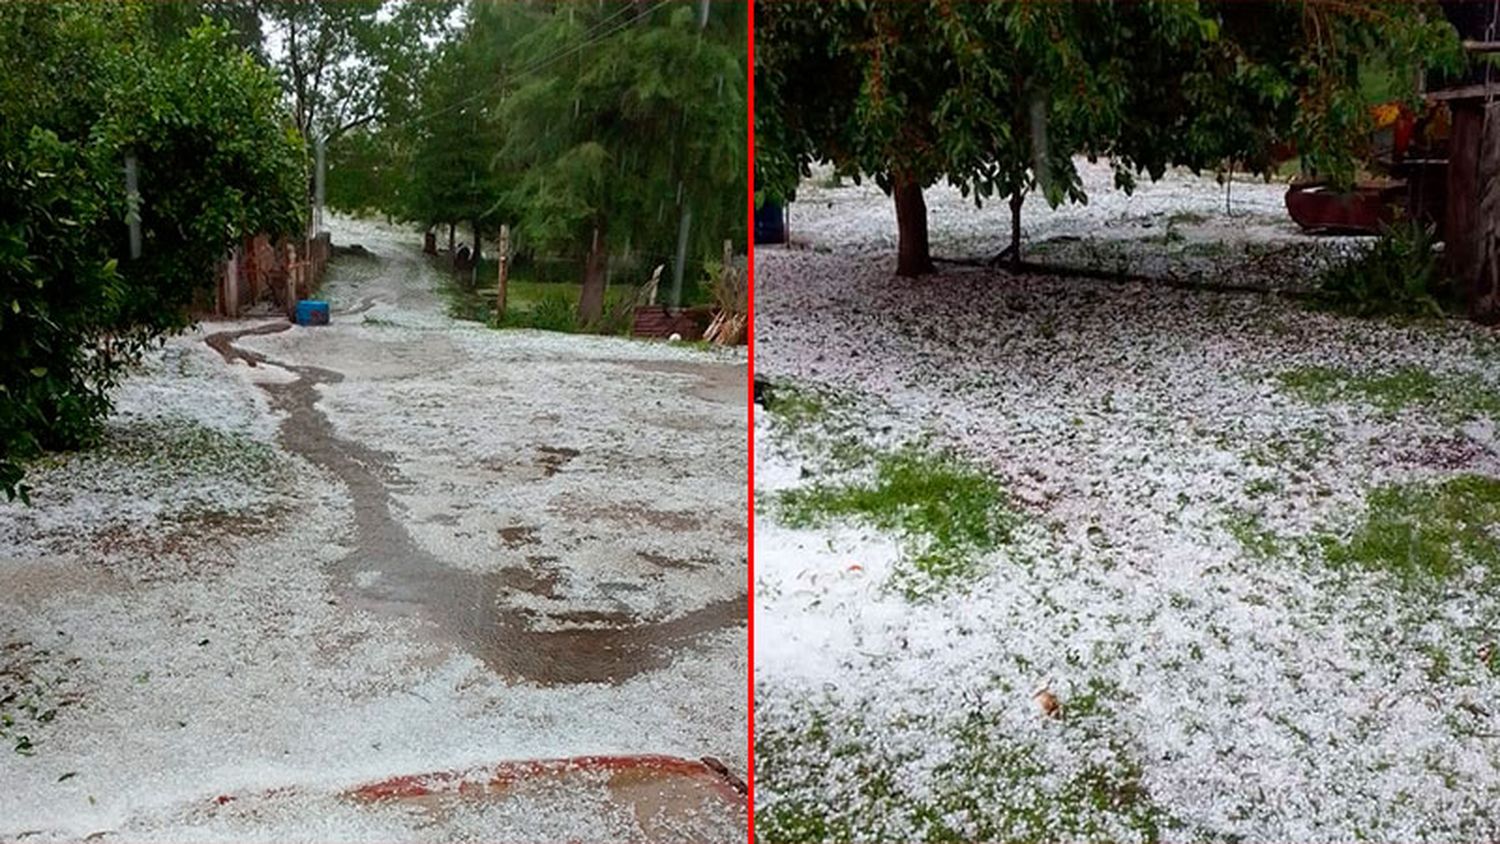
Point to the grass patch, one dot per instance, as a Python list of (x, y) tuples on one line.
[(166, 450), (947, 513), (544, 306), (1259, 542), (523, 296), (200, 475), (820, 422), (835, 777), (557, 311), (796, 407), (1453, 397), (1207, 248), (1426, 534), (464, 302)]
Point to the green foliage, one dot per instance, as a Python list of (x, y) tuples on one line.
[(217, 162), (81, 86), (1426, 534), (60, 295), (366, 172), (1453, 398), (947, 513), (645, 126), (453, 145), (570, 119), (552, 312), (999, 97), (348, 63), (545, 306), (1401, 274), (360, 75), (796, 407)]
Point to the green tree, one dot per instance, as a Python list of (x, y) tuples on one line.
[(368, 170), (330, 59), (617, 120), (999, 97), (454, 145), (349, 65), (81, 87)]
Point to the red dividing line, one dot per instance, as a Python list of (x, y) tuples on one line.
[(750, 417)]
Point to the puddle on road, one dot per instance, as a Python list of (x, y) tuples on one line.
[(389, 573)]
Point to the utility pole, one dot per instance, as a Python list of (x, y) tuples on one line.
[(318, 180), (682, 243)]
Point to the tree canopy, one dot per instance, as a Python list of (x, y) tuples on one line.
[(999, 97), (349, 63), (564, 120)]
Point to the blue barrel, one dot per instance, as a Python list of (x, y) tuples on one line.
[(770, 223), (312, 312)]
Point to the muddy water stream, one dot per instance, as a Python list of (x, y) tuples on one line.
[(387, 572)]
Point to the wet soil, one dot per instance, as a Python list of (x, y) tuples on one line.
[(387, 572)]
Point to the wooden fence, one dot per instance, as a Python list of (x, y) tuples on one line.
[(282, 272)]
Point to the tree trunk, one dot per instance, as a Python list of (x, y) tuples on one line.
[(475, 256), (1017, 199), (591, 298), (450, 238), (1471, 229), (914, 256)]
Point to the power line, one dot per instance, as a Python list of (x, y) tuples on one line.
[(537, 65), (545, 61)]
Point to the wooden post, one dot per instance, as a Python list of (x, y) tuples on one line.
[(232, 284), (502, 257), (1472, 220), (251, 249), (291, 283)]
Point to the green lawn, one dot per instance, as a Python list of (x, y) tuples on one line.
[(547, 305)]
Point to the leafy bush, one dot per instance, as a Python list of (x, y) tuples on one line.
[(59, 296), (1401, 275), (81, 86), (555, 311)]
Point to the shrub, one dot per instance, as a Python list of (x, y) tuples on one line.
[(60, 295), (554, 312), (1401, 275), (82, 85)]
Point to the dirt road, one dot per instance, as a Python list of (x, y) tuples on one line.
[(306, 560)]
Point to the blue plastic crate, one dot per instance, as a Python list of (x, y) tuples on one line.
[(312, 312)]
